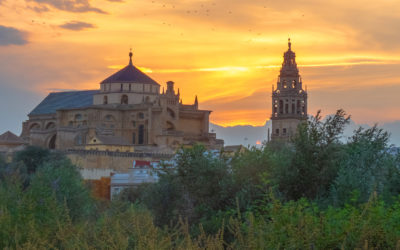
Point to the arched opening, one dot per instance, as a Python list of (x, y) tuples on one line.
[(286, 108), (50, 125), (294, 84), (171, 112), (284, 84), (105, 99), (298, 107), (124, 99), (52, 142), (141, 135), (293, 108), (170, 126), (34, 126)]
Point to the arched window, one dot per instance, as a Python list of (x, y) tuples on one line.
[(52, 142), (171, 112), (286, 108), (141, 134), (105, 99), (124, 99), (293, 108), (298, 107), (50, 125), (284, 84), (294, 84), (280, 106), (34, 126)]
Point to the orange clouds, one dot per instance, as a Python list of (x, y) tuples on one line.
[(226, 52)]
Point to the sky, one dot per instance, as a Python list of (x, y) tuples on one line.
[(227, 52)]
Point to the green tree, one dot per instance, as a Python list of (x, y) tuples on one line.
[(314, 158)]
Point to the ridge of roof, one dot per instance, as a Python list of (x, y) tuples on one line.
[(10, 137)]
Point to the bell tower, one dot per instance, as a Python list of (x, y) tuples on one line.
[(289, 99)]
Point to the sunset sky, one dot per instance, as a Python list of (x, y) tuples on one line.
[(228, 52)]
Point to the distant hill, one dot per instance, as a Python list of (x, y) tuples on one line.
[(249, 135)]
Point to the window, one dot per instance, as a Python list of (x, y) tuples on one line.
[(78, 117), (122, 87), (284, 84), (134, 138), (286, 108), (293, 108), (105, 100), (141, 134), (124, 99), (294, 84), (130, 87), (141, 115), (280, 106), (134, 124), (171, 112), (277, 131), (284, 131)]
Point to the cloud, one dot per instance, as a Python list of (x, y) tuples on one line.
[(77, 25), (67, 5), (12, 36)]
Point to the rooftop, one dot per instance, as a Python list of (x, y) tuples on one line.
[(10, 138), (64, 100), (130, 74)]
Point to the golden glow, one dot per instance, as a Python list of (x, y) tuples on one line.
[(227, 52)]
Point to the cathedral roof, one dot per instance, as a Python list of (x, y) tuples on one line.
[(10, 138), (64, 100), (130, 74)]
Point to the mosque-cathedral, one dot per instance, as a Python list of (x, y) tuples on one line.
[(128, 113), (130, 119)]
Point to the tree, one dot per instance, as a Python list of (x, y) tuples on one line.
[(313, 165), (367, 166)]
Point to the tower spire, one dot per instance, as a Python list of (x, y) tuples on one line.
[(289, 44), (130, 56)]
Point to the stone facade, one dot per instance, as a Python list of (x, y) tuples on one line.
[(289, 99), (127, 114)]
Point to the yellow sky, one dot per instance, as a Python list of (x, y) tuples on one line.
[(228, 52)]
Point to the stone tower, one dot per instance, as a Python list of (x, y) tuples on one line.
[(289, 99)]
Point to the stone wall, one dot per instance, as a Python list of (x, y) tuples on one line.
[(97, 164)]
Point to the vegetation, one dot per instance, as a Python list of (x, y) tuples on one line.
[(320, 191)]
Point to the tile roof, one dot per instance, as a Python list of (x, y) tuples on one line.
[(9, 137), (130, 74), (64, 100)]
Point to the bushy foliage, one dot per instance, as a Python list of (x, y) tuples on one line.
[(317, 192)]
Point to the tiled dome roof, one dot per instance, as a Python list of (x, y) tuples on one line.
[(130, 74)]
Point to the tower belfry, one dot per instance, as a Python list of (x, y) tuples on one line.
[(289, 100)]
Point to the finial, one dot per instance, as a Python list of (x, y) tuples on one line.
[(178, 92), (196, 102), (289, 44), (130, 56)]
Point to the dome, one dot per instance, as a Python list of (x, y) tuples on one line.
[(130, 74)]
